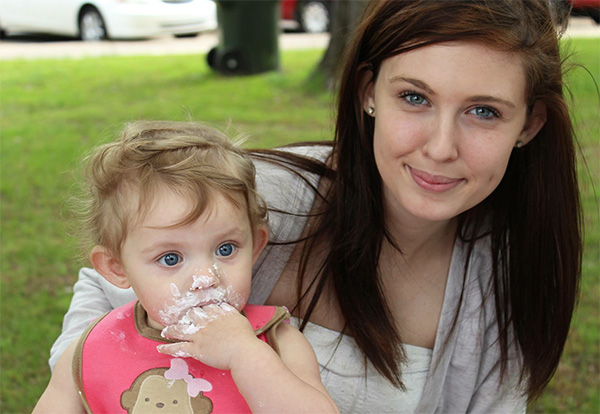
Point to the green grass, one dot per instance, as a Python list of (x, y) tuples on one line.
[(53, 111), (576, 385)]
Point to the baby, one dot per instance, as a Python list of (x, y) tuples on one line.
[(173, 213)]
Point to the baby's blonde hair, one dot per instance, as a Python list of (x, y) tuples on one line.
[(190, 159)]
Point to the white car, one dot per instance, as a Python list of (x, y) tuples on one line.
[(109, 19)]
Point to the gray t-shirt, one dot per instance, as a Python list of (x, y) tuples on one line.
[(463, 377)]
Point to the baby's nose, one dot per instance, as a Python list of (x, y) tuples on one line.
[(205, 279)]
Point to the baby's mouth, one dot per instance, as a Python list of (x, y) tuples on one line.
[(174, 311)]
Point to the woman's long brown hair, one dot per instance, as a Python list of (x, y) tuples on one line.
[(534, 213)]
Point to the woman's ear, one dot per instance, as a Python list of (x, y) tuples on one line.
[(367, 91), (535, 121), (261, 237), (109, 266)]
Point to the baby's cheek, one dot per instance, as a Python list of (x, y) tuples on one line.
[(170, 311), (236, 299)]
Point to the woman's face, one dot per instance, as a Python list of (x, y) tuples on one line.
[(447, 118)]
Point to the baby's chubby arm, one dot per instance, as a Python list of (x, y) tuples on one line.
[(219, 336), (61, 394)]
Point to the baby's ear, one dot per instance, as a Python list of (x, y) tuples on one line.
[(109, 266), (261, 238)]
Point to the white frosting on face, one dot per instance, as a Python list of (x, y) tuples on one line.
[(175, 290), (175, 309), (198, 318), (204, 290), (201, 282), (215, 270), (234, 299)]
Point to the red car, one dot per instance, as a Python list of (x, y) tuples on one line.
[(310, 16), (589, 8)]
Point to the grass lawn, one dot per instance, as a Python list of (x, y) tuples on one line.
[(53, 111)]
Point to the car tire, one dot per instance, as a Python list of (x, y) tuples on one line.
[(313, 16), (91, 25), (186, 35), (595, 14)]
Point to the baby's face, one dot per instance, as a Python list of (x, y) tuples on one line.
[(174, 269)]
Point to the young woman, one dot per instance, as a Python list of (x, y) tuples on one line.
[(432, 252)]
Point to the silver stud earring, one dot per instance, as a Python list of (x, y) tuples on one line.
[(371, 110), (519, 144)]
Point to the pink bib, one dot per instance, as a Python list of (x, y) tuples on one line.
[(117, 368)]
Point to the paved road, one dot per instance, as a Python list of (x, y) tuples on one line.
[(29, 47)]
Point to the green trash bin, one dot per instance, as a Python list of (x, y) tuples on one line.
[(248, 37)]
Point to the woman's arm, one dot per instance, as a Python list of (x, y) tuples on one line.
[(61, 394), (93, 296)]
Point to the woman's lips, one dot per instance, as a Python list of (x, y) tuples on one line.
[(434, 183)]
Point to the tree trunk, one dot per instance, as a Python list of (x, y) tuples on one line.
[(345, 16)]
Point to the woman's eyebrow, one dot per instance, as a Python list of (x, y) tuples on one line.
[(418, 83), (488, 98)]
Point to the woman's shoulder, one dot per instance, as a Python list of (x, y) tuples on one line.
[(470, 286), (287, 160), (318, 152), (288, 189), (289, 192), (471, 266)]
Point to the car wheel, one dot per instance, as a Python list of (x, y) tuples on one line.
[(184, 35), (313, 16), (91, 25), (595, 14)]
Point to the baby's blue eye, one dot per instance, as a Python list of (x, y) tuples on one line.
[(225, 250), (170, 259)]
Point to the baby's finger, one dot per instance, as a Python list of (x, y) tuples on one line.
[(227, 308), (197, 313), (214, 311), (198, 317), (180, 331), (179, 349)]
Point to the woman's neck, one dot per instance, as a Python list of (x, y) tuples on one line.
[(414, 275), (417, 238)]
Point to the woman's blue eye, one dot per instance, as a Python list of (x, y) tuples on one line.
[(225, 250), (485, 112), (414, 98), (170, 259)]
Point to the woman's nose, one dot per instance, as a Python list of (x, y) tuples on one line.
[(442, 142), (206, 278)]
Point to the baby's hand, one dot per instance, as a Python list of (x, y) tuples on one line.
[(212, 334)]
